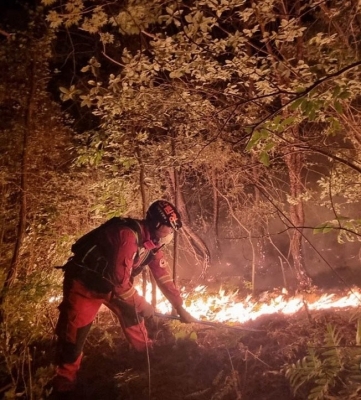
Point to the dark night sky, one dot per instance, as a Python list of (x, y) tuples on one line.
[(13, 15)]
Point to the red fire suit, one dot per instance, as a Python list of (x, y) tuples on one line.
[(122, 252)]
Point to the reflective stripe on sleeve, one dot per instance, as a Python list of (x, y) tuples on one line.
[(165, 279), (128, 294)]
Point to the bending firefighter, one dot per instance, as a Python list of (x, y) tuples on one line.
[(101, 271)]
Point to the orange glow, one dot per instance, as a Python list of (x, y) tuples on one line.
[(228, 307)]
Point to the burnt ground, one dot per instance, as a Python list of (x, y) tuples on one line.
[(198, 362)]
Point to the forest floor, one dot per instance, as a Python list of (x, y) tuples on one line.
[(198, 362)]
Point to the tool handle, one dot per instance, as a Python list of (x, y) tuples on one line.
[(209, 323)]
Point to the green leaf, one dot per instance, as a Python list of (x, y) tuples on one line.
[(330, 352), (323, 228), (338, 106), (297, 103), (63, 89), (193, 336), (277, 120), (336, 91), (312, 114), (264, 158), (180, 335), (305, 106), (288, 121), (256, 137), (189, 18), (269, 146), (344, 95), (342, 218)]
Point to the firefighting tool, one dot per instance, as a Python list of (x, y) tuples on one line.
[(209, 323)]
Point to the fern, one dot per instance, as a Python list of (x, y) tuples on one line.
[(327, 367), (303, 370), (228, 387)]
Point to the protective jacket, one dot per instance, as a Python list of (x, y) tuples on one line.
[(108, 258)]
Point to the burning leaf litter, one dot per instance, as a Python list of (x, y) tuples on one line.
[(228, 307)]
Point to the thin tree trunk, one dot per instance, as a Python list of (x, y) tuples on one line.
[(175, 180), (2, 208), (293, 160), (145, 272), (249, 234), (141, 180), (340, 32), (195, 241), (12, 272), (214, 173), (175, 243), (259, 245), (294, 163)]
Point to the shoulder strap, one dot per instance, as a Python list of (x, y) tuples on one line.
[(89, 239), (134, 225)]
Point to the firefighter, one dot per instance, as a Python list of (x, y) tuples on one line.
[(101, 271)]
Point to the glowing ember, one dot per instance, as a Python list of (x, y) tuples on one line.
[(226, 307)]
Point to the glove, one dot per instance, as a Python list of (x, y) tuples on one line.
[(184, 315), (147, 311)]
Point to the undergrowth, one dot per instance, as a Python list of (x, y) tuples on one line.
[(26, 334), (329, 371)]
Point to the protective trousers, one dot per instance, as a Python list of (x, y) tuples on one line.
[(77, 313)]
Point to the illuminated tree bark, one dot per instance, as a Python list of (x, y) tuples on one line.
[(28, 126), (295, 164), (215, 214), (200, 248)]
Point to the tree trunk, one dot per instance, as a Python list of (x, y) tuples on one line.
[(28, 126), (176, 203), (144, 206), (258, 247), (215, 224), (294, 162), (197, 244), (175, 243)]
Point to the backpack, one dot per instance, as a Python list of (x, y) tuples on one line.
[(91, 265), (83, 244)]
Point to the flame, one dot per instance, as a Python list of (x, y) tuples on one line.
[(228, 307)]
